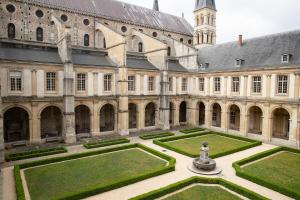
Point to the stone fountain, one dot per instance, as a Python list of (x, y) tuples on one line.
[(204, 164)]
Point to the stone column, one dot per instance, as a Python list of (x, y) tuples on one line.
[(208, 115), (176, 115), (191, 119), (141, 116), (1, 130), (267, 123), (225, 120), (245, 86), (36, 132), (268, 86), (123, 101), (164, 104), (297, 86), (95, 119), (244, 121)]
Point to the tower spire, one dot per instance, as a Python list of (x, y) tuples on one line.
[(155, 5), (205, 4)]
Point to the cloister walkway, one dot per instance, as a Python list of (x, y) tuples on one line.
[(148, 185)]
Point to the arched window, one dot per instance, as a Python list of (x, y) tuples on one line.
[(86, 40), (39, 34), (169, 51), (140, 47), (11, 31), (104, 43)]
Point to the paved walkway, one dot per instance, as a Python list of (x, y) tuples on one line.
[(148, 185)]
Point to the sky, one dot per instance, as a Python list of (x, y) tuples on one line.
[(251, 18)]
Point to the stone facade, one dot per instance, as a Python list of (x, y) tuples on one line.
[(146, 81)]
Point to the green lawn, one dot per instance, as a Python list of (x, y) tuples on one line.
[(62, 179), (200, 192), (282, 169), (217, 144)]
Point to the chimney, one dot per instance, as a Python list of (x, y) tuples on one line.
[(240, 40)]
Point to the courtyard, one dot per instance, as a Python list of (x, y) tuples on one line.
[(142, 169)]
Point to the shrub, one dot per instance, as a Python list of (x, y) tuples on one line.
[(239, 172), (152, 136), (194, 180), (192, 130), (96, 190), (106, 143), (35, 153)]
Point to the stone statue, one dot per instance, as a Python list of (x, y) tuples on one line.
[(204, 162)]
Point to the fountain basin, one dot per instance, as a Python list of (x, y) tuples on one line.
[(207, 165)]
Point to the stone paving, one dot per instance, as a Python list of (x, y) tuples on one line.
[(148, 185)]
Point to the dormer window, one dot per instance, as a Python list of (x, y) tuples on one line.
[(239, 62), (285, 58), (204, 66)]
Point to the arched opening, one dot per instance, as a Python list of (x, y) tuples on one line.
[(234, 118), (182, 112), (216, 115), (171, 114), (201, 108), (51, 122), (132, 116), (281, 124), (140, 47), (169, 51), (107, 118), (255, 120), (11, 31), (39, 34), (16, 125), (150, 115), (82, 120), (86, 40)]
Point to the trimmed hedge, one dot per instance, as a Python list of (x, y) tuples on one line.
[(106, 143), (161, 142), (96, 190), (195, 180), (35, 153), (153, 136), (239, 172), (192, 130)]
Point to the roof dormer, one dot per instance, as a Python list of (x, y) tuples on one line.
[(285, 58), (239, 62)]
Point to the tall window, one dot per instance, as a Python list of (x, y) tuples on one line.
[(81, 80), (86, 40), (170, 84), (140, 47), (11, 31), (15, 81), (104, 43), (39, 34), (217, 84), (151, 84), (169, 51), (232, 117), (51, 81), (131, 83), (184, 84), (282, 83), (235, 84), (201, 84), (256, 84), (107, 82)]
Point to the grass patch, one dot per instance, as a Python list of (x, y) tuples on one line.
[(35, 153), (199, 192), (106, 143), (278, 170), (157, 135), (220, 144), (191, 130), (87, 176)]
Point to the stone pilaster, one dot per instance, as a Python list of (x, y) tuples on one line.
[(164, 101), (34, 83), (268, 86), (296, 86), (245, 89), (1, 130), (123, 113)]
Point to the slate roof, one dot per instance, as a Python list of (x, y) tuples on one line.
[(260, 52), (139, 62), (50, 55), (175, 66), (120, 11), (205, 4)]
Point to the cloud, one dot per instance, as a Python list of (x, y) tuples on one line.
[(251, 18)]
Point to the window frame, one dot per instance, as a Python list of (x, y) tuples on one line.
[(131, 83), (235, 84), (151, 84), (54, 83), (39, 30), (20, 82), (170, 84), (79, 82), (282, 87), (107, 82), (217, 84), (184, 84), (254, 87), (201, 84)]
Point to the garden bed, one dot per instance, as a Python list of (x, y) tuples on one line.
[(192, 130), (156, 135), (106, 143)]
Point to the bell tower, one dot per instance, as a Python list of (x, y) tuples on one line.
[(205, 23)]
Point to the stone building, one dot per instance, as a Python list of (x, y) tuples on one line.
[(71, 70)]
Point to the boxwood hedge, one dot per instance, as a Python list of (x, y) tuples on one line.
[(96, 190), (105, 143), (35, 153), (157, 135), (239, 172), (192, 130), (161, 142), (195, 180)]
